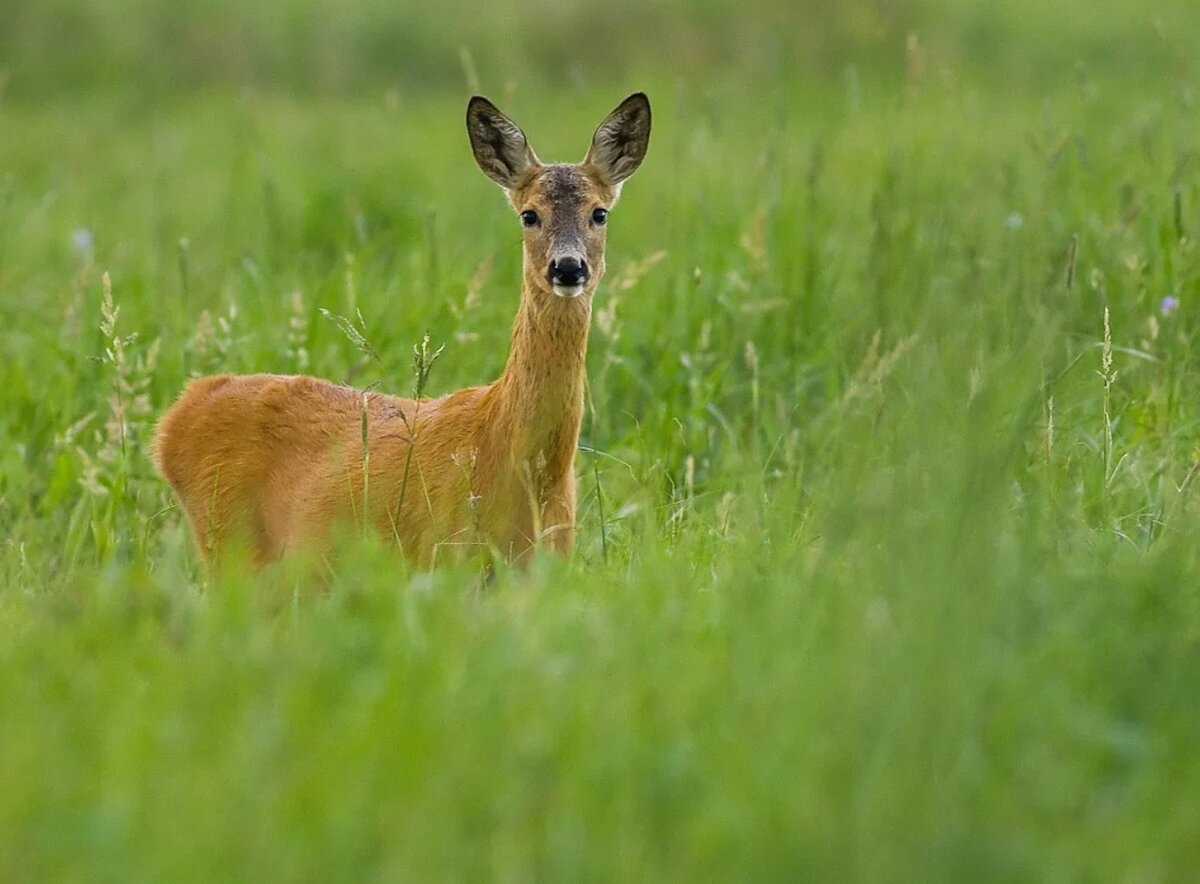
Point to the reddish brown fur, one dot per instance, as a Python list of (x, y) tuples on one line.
[(276, 461)]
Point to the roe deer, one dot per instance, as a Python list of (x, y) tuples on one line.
[(274, 461)]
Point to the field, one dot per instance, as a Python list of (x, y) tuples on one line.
[(888, 562)]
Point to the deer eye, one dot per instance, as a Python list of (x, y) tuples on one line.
[(529, 218), (599, 216)]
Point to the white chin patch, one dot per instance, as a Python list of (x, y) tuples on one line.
[(568, 291)]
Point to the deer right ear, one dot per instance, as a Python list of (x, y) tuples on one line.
[(620, 143), (498, 143)]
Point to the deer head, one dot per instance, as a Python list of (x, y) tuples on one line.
[(563, 207)]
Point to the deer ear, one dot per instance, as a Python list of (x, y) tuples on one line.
[(620, 143), (498, 143)]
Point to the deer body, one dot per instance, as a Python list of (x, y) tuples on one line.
[(275, 462)]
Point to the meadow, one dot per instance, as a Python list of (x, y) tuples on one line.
[(888, 564)]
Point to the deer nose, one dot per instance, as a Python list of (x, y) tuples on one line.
[(568, 271)]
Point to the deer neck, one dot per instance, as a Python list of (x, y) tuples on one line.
[(541, 390)]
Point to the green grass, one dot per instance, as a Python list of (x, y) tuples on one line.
[(888, 563)]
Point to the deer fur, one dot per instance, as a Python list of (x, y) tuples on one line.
[(275, 462)]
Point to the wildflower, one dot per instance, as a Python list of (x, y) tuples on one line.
[(83, 242), (1169, 305)]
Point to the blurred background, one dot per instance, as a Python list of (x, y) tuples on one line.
[(150, 50)]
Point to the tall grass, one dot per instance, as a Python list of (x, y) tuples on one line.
[(887, 562)]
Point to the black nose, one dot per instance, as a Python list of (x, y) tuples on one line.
[(568, 271)]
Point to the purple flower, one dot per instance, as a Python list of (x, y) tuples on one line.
[(1169, 305), (83, 242)]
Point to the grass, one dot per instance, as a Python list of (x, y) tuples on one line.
[(888, 558)]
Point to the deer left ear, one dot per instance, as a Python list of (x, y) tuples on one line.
[(498, 143), (620, 142)]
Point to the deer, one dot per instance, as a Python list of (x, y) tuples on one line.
[(272, 464)]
